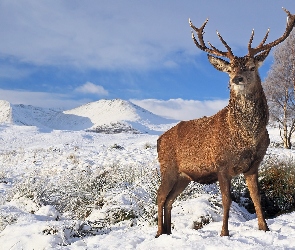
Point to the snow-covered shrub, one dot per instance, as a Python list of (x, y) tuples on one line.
[(277, 184), (202, 221), (118, 214), (121, 192), (6, 219), (72, 192), (276, 144), (117, 146), (145, 195), (277, 187), (148, 145), (240, 193), (73, 159), (3, 178)]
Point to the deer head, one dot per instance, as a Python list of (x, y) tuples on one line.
[(243, 71)]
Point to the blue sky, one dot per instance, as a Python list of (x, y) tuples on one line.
[(64, 53)]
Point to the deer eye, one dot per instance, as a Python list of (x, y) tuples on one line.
[(252, 68)]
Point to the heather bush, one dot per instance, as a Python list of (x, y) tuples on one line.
[(124, 193), (277, 187), (277, 184)]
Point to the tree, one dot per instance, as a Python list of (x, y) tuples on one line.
[(279, 87)]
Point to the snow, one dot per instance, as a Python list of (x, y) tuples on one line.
[(57, 148), (103, 115)]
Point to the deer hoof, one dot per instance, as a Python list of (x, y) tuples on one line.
[(158, 234), (224, 233), (264, 228)]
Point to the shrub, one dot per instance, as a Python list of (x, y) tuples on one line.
[(240, 193), (117, 146), (202, 221), (6, 219), (277, 187), (148, 145), (76, 193), (118, 214), (277, 184)]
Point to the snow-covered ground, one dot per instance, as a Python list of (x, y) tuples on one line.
[(45, 170)]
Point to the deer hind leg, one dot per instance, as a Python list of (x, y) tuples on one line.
[(163, 191), (224, 183), (182, 182), (252, 183)]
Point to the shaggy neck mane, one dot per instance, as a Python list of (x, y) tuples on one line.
[(249, 113)]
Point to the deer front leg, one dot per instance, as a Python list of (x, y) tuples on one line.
[(224, 183), (252, 183)]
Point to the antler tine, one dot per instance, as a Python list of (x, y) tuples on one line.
[(200, 33), (221, 53), (201, 44), (251, 40), (265, 38), (261, 43), (288, 13), (229, 53), (265, 47)]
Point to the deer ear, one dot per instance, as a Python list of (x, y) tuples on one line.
[(219, 63), (261, 57)]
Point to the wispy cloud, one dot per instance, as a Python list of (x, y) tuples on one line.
[(91, 88), (41, 99), (104, 35), (11, 72), (180, 109)]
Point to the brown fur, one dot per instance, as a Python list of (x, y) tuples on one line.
[(217, 148)]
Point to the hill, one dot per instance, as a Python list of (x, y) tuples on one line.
[(104, 116)]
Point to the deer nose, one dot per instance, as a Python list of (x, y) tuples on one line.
[(238, 79)]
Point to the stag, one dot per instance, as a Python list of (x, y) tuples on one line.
[(229, 143)]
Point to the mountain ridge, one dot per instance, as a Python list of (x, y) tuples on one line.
[(104, 116)]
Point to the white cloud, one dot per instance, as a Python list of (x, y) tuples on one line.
[(104, 35), (91, 88), (180, 109)]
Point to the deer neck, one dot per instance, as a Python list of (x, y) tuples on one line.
[(248, 113)]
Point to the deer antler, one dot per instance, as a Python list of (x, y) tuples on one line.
[(265, 47), (213, 50)]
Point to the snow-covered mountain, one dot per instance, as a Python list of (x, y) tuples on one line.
[(106, 116)]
